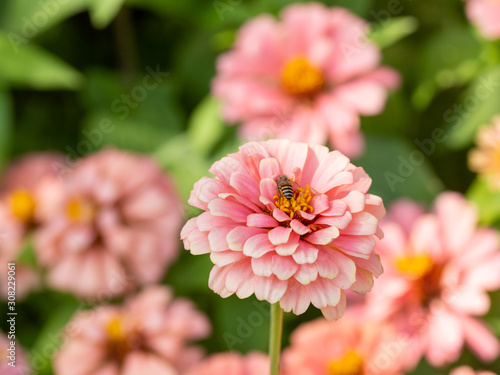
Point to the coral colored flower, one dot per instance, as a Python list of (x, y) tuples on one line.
[(355, 345), (233, 363), (17, 358), (485, 14), (28, 188), (485, 159), (438, 269), (306, 250), (149, 334), (307, 77), (117, 226), (466, 370)]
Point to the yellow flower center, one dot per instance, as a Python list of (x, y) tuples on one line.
[(80, 210), (350, 364), (415, 266), (118, 344), (301, 78), (299, 201), (22, 205)]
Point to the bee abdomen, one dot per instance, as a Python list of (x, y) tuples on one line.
[(287, 192)]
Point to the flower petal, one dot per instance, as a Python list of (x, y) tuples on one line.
[(270, 289), (322, 236), (257, 245)]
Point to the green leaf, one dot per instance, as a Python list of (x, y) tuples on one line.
[(30, 66), (393, 30), (398, 170), (486, 200), (185, 164), (102, 12), (205, 127), (28, 18), (5, 125), (479, 104), (448, 59)]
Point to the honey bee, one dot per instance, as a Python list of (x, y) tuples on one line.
[(285, 186)]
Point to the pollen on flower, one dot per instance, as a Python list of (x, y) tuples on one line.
[(301, 78), (299, 202), (117, 340), (80, 210), (415, 266), (350, 364), (22, 205)]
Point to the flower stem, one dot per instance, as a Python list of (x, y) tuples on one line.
[(275, 334)]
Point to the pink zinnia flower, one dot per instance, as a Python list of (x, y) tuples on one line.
[(253, 363), (438, 269), (354, 345), (485, 159), (117, 226), (15, 355), (308, 249), (306, 78), (149, 334), (485, 14), (466, 370), (28, 191)]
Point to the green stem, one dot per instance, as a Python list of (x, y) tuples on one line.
[(275, 334)]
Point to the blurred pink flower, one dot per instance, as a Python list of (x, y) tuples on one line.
[(149, 334), (354, 345), (117, 226), (19, 364), (253, 363), (306, 250), (485, 14), (438, 269), (485, 159), (28, 188), (306, 78), (466, 370)]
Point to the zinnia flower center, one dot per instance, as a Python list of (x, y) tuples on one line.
[(118, 344), (22, 205), (415, 266), (299, 202), (350, 364), (301, 78), (80, 210)]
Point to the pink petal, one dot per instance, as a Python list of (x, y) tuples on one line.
[(306, 273), (322, 236), (339, 222), (283, 267), (279, 235), (270, 289), (295, 298), (327, 267), (305, 253), (337, 208), (362, 223), (480, 339), (238, 236), (269, 168), (335, 312), (319, 203), (358, 246), (257, 245), (289, 247), (346, 266), (240, 279), (268, 190), (368, 98), (323, 293), (298, 227), (446, 338), (223, 258), (280, 215), (217, 238), (197, 242), (363, 283), (228, 208), (261, 221), (206, 221), (468, 301), (262, 266), (355, 201), (328, 168), (245, 185)]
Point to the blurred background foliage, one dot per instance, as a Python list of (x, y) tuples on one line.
[(68, 65)]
